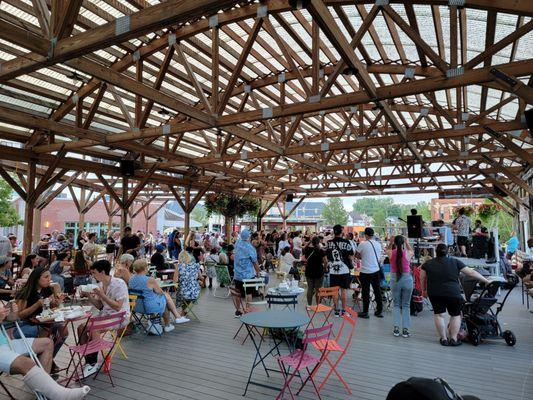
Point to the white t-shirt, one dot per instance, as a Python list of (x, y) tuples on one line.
[(286, 262), (369, 262), (282, 244), (297, 243)]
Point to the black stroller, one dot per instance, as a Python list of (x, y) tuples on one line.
[(480, 312)]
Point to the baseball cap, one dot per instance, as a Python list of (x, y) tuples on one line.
[(245, 234), (4, 259)]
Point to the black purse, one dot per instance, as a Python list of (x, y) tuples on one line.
[(381, 271)]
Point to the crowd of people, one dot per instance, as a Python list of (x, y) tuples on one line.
[(334, 258)]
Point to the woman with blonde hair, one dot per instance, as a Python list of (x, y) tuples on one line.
[(155, 300)]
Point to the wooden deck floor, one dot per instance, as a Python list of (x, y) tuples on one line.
[(199, 360)]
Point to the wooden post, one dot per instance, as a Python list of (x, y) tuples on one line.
[(259, 221), (284, 215), (81, 221), (124, 210), (36, 225), (228, 229), (187, 212), (28, 209), (146, 213)]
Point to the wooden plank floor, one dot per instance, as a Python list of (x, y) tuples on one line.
[(199, 360)]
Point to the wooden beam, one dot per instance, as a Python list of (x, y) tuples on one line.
[(140, 186), (11, 182), (200, 194), (111, 191), (158, 208), (45, 201), (64, 16), (43, 16)]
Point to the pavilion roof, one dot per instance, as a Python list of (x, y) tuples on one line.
[(338, 98)]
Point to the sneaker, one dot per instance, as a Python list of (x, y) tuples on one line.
[(379, 315), (405, 333), (363, 315), (396, 331), (89, 369), (338, 313), (169, 328), (181, 320), (238, 314)]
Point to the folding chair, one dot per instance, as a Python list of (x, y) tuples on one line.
[(223, 278), (301, 360), (97, 326), (6, 389), (189, 304), (259, 285), (334, 346), (139, 318), (286, 301), (330, 294)]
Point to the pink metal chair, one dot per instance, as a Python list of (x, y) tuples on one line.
[(300, 360), (335, 345), (96, 327)]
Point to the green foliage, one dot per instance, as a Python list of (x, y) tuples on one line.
[(381, 208), (334, 212), (8, 213), (231, 205), (199, 214), (493, 215)]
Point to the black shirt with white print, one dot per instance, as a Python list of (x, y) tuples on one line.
[(338, 251)]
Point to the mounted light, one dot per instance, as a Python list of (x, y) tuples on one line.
[(163, 111)]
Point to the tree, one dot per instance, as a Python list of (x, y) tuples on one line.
[(231, 206), (8, 213), (334, 212), (199, 214)]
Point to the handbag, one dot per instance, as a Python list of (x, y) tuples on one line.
[(381, 272)]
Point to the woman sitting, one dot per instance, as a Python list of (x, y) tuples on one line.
[(30, 263), (36, 293), (189, 275), (15, 361), (155, 300), (110, 297), (124, 269), (60, 266), (6, 278)]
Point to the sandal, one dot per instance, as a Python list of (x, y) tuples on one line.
[(455, 343), (444, 342)]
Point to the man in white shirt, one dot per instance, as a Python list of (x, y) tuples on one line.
[(369, 252)]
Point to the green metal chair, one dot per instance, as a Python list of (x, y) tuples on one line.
[(223, 278)]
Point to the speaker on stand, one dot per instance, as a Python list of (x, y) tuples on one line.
[(414, 231)]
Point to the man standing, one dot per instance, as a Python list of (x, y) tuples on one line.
[(245, 267), (129, 244), (370, 252), (462, 224), (340, 261)]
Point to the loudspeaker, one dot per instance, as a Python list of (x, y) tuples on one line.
[(299, 4), (414, 226), (127, 167), (289, 198), (529, 120)]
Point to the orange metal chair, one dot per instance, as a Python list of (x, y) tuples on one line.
[(324, 294), (334, 346)]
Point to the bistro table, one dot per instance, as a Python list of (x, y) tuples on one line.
[(282, 321)]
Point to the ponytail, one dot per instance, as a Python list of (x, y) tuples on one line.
[(398, 243)]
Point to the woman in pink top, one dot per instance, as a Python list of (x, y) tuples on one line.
[(401, 284)]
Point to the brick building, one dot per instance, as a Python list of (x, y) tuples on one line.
[(444, 208)]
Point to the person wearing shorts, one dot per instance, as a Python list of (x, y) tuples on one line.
[(440, 283), (14, 360), (245, 267), (340, 255)]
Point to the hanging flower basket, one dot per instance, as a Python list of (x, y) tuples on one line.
[(487, 211)]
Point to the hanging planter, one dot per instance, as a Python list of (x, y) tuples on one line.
[(469, 210), (487, 211)]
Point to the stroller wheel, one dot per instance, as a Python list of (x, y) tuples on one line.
[(475, 337), (509, 338)]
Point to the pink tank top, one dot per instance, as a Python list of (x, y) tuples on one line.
[(405, 262)]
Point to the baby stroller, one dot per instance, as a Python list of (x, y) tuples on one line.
[(480, 312)]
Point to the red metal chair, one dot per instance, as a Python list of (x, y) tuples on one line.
[(331, 294), (300, 360), (334, 346), (96, 327)]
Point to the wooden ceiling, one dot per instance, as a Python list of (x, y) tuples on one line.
[(335, 98)]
